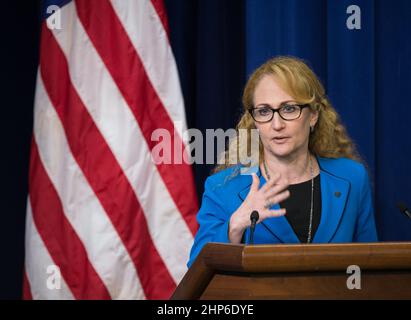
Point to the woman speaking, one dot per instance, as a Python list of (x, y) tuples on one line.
[(308, 185)]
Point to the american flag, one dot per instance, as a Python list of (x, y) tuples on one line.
[(114, 224)]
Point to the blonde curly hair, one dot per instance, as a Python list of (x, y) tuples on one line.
[(329, 139)]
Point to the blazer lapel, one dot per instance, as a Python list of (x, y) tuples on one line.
[(334, 195), (280, 227)]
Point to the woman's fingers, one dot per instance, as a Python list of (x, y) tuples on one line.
[(271, 182), (276, 189), (256, 182), (271, 193), (277, 213), (277, 198), (272, 214)]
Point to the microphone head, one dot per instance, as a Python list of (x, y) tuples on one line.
[(254, 216), (401, 206)]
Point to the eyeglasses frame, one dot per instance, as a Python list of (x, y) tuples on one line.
[(301, 106)]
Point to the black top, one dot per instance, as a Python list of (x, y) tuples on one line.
[(298, 208)]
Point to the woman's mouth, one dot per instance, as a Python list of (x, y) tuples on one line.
[(280, 140)]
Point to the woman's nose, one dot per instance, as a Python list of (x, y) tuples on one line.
[(277, 123)]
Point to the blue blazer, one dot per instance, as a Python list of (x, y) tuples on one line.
[(347, 209)]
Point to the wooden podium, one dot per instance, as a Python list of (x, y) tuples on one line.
[(227, 271)]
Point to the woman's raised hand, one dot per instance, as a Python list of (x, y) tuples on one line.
[(261, 200)]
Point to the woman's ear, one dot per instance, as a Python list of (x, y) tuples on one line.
[(314, 117)]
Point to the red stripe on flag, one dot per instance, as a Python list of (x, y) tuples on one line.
[(125, 66), (162, 14), (61, 240), (102, 171), (26, 287)]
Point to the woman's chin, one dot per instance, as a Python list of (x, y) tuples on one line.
[(281, 152)]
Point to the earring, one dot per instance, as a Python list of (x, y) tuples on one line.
[(311, 129)]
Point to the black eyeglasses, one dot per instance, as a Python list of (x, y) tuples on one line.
[(287, 111)]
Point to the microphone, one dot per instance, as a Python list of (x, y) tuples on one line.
[(254, 216), (403, 208)]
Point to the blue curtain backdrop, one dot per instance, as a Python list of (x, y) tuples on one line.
[(217, 43), (366, 73)]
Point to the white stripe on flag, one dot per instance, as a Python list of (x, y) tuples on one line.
[(150, 40), (37, 260), (104, 247), (119, 128)]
